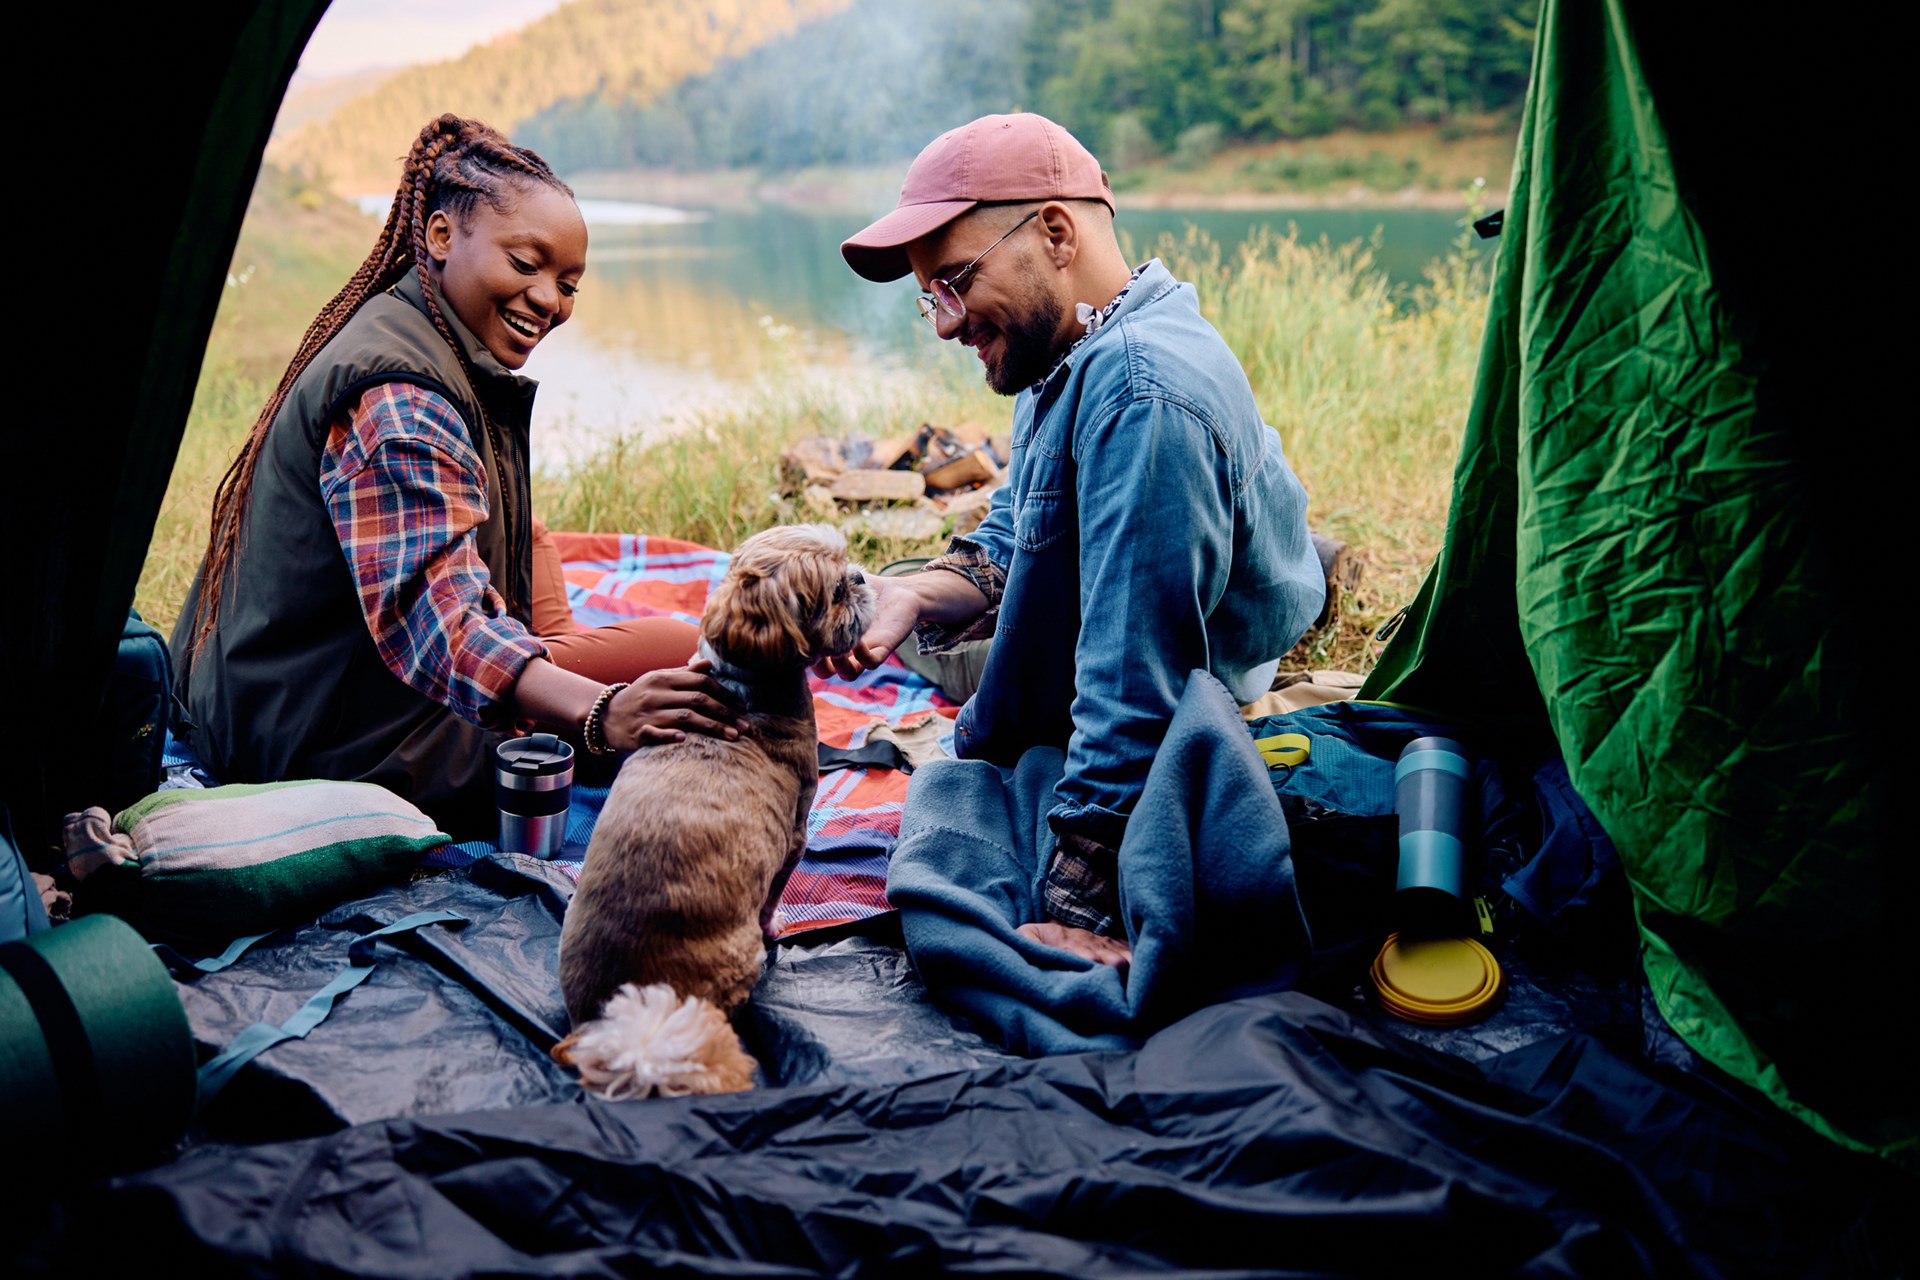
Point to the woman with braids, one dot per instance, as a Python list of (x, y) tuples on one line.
[(377, 601)]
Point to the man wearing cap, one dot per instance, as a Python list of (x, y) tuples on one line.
[(1149, 524)]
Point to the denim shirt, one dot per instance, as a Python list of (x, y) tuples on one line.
[(1149, 526)]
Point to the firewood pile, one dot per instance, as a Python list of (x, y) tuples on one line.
[(939, 480), (914, 486)]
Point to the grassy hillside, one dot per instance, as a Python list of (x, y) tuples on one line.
[(308, 101), (1137, 81), (632, 50)]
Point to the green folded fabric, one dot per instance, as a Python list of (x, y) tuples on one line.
[(218, 862)]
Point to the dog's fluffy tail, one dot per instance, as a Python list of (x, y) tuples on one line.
[(648, 1040)]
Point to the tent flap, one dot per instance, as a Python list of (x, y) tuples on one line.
[(1634, 520)]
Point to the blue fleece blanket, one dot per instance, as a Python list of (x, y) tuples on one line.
[(1207, 888), (1208, 869)]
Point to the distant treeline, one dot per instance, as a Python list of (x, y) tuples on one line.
[(1136, 79), (612, 50), (782, 84)]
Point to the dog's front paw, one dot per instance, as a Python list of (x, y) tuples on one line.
[(648, 1040)]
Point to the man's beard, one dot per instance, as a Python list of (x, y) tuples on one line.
[(1027, 346)]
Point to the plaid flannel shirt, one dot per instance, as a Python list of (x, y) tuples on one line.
[(406, 490), (969, 560)]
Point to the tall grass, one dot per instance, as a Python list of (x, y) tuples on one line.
[(225, 402), (297, 247), (1367, 385), (718, 479)]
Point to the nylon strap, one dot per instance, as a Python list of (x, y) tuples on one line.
[(184, 966), (879, 754), (1284, 750), (261, 1036)]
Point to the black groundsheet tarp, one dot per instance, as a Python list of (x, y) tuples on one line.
[(1287, 1134)]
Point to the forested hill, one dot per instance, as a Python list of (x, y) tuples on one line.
[(1135, 79), (626, 51), (781, 84)]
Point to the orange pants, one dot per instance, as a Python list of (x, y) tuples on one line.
[(619, 651)]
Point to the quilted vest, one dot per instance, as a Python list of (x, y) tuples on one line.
[(290, 684)]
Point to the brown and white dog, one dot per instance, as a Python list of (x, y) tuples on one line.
[(667, 932)]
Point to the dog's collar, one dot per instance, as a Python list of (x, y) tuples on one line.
[(781, 692)]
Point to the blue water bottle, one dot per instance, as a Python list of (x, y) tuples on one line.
[(1429, 795)]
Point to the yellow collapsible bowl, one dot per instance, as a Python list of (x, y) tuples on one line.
[(1437, 982)]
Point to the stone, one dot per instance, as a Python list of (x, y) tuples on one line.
[(814, 460), (879, 486), (908, 524)]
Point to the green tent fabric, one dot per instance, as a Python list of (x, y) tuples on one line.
[(1634, 560)]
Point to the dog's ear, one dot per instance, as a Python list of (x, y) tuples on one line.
[(754, 618)]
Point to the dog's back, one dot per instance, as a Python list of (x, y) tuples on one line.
[(666, 932), (694, 840)]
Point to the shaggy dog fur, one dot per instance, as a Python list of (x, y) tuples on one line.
[(698, 837)]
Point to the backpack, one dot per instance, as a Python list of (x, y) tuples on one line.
[(21, 911), (138, 716)]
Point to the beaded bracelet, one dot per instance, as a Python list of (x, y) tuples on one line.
[(592, 734)]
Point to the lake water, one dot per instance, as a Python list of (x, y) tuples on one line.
[(682, 308)]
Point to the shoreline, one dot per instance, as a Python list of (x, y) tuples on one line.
[(1352, 198), (865, 193), (1410, 168)]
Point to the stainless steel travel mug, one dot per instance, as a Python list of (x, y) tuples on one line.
[(532, 787)]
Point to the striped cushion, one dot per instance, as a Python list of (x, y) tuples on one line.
[(220, 862)]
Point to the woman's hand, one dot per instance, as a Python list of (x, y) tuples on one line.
[(664, 706)]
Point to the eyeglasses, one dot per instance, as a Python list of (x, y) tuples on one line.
[(944, 295)]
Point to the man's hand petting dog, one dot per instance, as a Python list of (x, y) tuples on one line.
[(1084, 943), (896, 609), (899, 602), (664, 706)]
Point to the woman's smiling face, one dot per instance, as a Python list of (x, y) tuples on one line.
[(510, 274)]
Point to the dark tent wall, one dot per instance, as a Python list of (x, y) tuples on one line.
[(144, 165), (1656, 547), (146, 156)]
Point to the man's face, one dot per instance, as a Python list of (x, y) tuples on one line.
[(1012, 320)]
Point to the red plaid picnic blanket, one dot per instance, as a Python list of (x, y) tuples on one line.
[(856, 812)]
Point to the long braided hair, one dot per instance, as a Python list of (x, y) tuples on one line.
[(453, 165)]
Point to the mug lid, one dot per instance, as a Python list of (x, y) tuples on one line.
[(1440, 982), (537, 755)]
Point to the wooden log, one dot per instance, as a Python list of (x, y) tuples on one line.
[(963, 472), (1342, 569), (892, 453), (817, 501), (971, 433), (938, 448)]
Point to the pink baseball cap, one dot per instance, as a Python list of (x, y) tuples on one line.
[(995, 159)]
